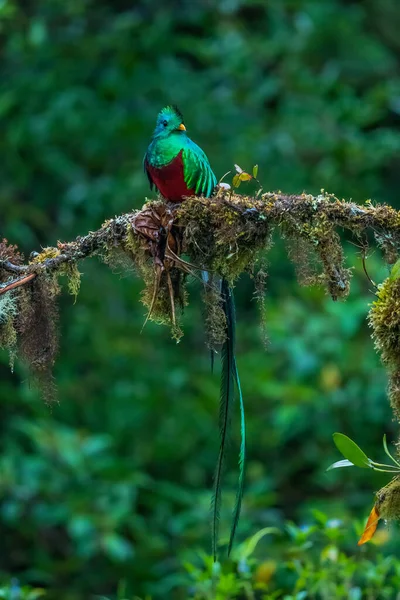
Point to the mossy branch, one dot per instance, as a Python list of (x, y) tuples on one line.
[(293, 213), (223, 235), (310, 217)]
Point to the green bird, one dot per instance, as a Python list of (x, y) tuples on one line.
[(174, 164), (178, 168)]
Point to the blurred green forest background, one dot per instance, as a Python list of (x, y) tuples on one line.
[(110, 489)]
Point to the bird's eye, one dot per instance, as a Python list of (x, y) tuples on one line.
[(165, 123)]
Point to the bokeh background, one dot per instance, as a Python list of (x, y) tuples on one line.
[(111, 487)]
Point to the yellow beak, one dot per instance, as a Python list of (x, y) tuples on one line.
[(182, 127)]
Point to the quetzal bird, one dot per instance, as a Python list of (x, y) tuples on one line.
[(178, 168)]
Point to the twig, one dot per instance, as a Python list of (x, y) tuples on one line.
[(6, 287), (366, 272)]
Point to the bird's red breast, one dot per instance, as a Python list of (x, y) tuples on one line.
[(170, 181)]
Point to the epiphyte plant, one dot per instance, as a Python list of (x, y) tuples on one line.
[(387, 502)]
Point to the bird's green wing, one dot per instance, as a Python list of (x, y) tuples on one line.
[(197, 171), (146, 170)]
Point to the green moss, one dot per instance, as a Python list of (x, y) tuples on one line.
[(305, 260), (388, 500), (8, 339), (8, 334), (134, 246), (8, 306), (37, 330), (45, 255), (384, 318), (260, 280), (389, 246), (215, 320), (224, 237), (71, 271), (318, 254)]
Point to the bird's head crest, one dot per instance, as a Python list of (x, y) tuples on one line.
[(169, 120)]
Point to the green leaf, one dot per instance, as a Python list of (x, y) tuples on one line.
[(236, 181), (255, 171), (250, 544), (351, 451), (395, 272), (339, 464), (116, 547)]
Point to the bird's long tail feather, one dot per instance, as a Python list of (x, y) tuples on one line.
[(242, 461), (229, 378)]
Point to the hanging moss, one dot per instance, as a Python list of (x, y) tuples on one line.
[(260, 281), (71, 271), (8, 307), (335, 276), (305, 261), (389, 245), (214, 317), (8, 334), (37, 331), (316, 250)]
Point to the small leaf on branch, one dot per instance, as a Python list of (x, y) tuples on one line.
[(236, 181), (255, 171), (351, 451), (245, 176)]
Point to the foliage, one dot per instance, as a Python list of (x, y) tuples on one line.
[(313, 565), (313, 562), (114, 482), (14, 591)]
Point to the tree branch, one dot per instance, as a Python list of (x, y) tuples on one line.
[(291, 213), (223, 235)]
